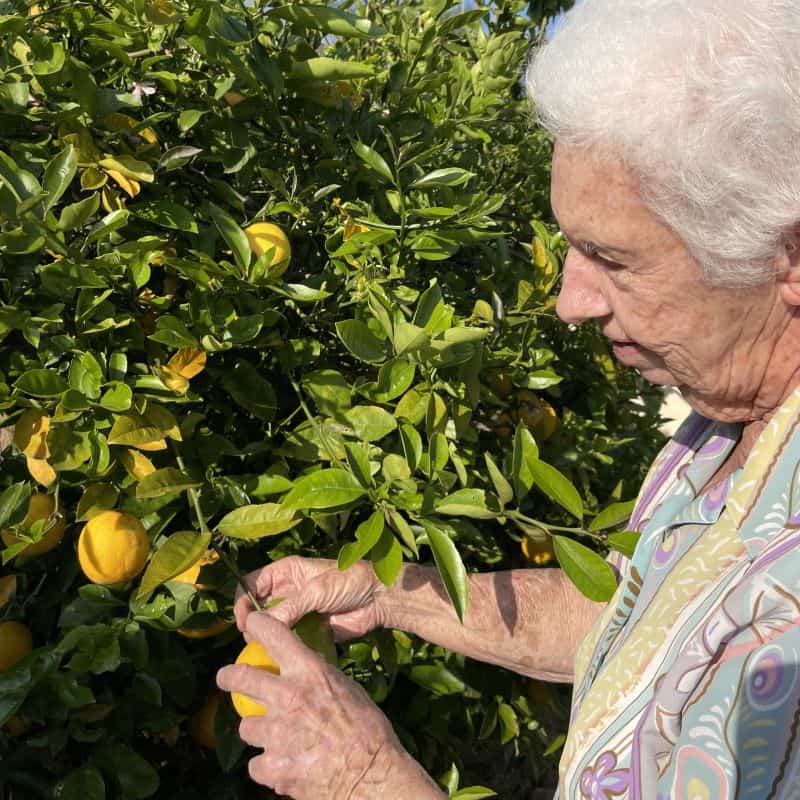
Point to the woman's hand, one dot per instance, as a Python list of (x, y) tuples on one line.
[(322, 736), (350, 598)]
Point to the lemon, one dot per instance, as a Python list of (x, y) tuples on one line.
[(40, 506), (264, 236), (256, 656), (538, 552), (191, 574), (201, 725), (15, 643), (537, 414), (113, 547)]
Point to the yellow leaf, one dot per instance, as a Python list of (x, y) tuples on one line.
[(30, 433), (159, 444), (117, 121), (40, 471), (110, 199), (188, 362), (161, 12), (172, 380), (539, 252), (130, 186), (137, 465), (93, 178), (351, 228), (81, 139), (233, 98)]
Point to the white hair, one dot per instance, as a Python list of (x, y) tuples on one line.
[(701, 101)]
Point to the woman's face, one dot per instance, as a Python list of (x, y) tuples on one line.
[(633, 275)]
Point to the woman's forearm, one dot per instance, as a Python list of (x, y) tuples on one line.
[(529, 621)]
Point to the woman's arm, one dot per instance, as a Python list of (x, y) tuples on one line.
[(530, 621)]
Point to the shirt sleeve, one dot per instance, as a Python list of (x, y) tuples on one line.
[(739, 732)]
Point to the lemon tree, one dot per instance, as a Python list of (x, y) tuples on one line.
[(279, 279)]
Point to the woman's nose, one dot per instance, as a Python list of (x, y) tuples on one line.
[(581, 298)]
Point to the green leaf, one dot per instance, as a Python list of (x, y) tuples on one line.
[(524, 458), (86, 375), (449, 176), (374, 160), (557, 487), (367, 535), (327, 20), (431, 314), (59, 174), (409, 338), (133, 430), (586, 569), (257, 521), (403, 530), (96, 497), (361, 341), (387, 558), (234, 236), (624, 542), (130, 167), (76, 215), (473, 792), (168, 480), (612, 516), (329, 391), (509, 724), (412, 445), (358, 461), (327, 488), (176, 157), (14, 503), (118, 396), (450, 566), (503, 488), (465, 503), (323, 68), (172, 332), (136, 777), (181, 551), (394, 378), (166, 214), (371, 423), (41, 383), (84, 783), (250, 390), (109, 224)]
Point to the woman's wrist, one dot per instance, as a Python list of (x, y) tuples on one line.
[(395, 775), (416, 593)]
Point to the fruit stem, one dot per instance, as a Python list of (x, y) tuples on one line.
[(226, 559)]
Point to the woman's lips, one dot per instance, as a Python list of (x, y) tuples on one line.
[(625, 351)]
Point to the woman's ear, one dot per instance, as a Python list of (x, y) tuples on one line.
[(787, 264)]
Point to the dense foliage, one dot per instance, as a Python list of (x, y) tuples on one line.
[(396, 388)]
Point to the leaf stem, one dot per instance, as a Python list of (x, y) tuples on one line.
[(194, 498)]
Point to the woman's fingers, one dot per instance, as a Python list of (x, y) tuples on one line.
[(287, 650), (259, 684)]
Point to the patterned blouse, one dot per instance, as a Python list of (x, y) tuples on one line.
[(688, 686)]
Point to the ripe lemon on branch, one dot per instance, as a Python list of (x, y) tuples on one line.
[(113, 547), (15, 643), (264, 236), (256, 656), (41, 506)]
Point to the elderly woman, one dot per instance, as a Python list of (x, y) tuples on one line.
[(676, 181)]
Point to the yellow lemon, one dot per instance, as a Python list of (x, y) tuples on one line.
[(113, 547), (201, 725), (15, 643), (264, 236), (538, 552), (256, 656), (40, 506)]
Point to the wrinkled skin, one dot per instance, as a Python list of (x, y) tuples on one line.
[(315, 584), (322, 736)]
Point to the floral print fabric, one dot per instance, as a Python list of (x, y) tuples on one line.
[(688, 686)]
